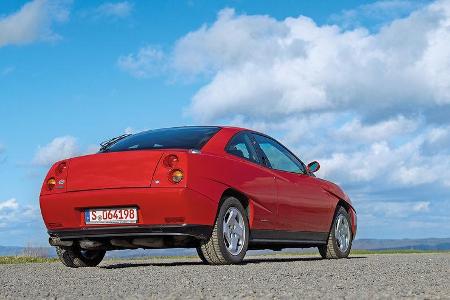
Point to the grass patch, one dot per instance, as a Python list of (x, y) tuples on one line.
[(25, 260)]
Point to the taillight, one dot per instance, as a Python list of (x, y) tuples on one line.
[(56, 179), (171, 160), (176, 176), (51, 183), (171, 170)]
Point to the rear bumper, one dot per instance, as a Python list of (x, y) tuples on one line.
[(160, 210), (200, 232)]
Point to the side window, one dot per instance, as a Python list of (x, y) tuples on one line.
[(240, 145), (278, 157)]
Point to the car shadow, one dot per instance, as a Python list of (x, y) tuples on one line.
[(247, 261), (287, 259)]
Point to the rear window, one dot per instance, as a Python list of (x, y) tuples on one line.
[(167, 138)]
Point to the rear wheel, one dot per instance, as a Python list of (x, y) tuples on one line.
[(340, 238), (74, 257), (229, 240)]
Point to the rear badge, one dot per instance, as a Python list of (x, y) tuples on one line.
[(61, 184)]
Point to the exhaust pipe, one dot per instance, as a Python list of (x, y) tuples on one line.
[(149, 242), (56, 242), (123, 244), (90, 245)]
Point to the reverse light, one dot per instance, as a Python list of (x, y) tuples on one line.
[(61, 167), (51, 183), (170, 160), (176, 176)]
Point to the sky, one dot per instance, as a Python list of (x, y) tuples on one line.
[(361, 86)]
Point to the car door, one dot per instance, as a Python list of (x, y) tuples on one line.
[(303, 205), (256, 181)]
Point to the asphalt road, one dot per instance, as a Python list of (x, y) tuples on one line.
[(281, 277)]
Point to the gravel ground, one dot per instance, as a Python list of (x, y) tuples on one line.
[(282, 277)]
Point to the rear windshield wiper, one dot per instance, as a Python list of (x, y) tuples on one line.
[(106, 144)]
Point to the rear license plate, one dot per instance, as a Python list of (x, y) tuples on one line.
[(111, 215)]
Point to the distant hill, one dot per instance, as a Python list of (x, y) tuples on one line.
[(30, 251), (360, 244), (6, 250), (413, 244)]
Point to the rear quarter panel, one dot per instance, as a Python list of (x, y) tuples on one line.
[(212, 175), (214, 171)]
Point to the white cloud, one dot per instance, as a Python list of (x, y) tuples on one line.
[(437, 140), (396, 209), (59, 148), (13, 213), (268, 68), (32, 22), (9, 204), (116, 10), (381, 131), (147, 62), (385, 165)]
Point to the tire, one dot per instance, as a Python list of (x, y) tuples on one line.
[(340, 237), (76, 258), (221, 250)]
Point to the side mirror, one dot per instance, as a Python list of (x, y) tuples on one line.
[(313, 166)]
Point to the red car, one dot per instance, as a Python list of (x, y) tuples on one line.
[(221, 190)]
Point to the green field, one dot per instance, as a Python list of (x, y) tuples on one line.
[(25, 259)]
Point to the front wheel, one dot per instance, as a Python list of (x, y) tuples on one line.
[(74, 257), (340, 237), (229, 240)]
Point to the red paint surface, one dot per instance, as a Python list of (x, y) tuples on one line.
[(112, 170)]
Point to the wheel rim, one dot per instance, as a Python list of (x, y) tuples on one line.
[(342, 233), (234, 231)]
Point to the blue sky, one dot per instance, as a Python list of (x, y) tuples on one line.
[(363, 87)]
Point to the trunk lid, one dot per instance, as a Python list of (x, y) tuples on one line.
[(112, 170)]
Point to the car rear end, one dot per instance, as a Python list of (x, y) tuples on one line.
[(134, 194)]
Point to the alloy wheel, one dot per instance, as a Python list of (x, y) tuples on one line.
[(342, 233), (234, 231)]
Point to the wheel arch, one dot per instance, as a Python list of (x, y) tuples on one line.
[(343, 204), (351, 212), (243, 199)]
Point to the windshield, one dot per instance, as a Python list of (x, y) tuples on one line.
[(167, 138)]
